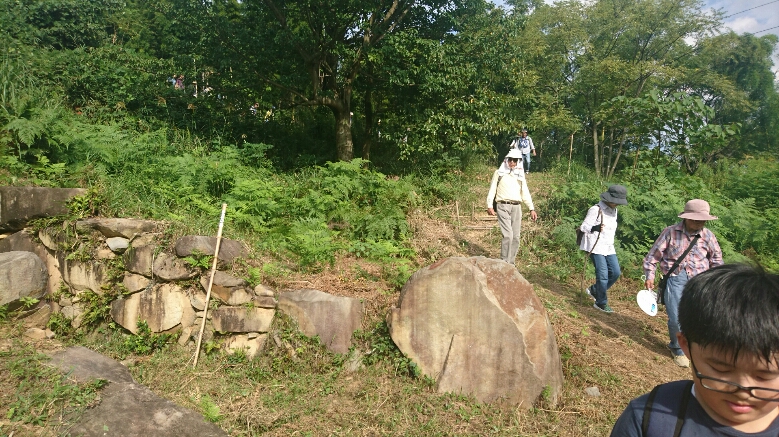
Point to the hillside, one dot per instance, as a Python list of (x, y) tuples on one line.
[(307, 391)]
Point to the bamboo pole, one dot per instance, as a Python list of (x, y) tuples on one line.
[(210, 283)]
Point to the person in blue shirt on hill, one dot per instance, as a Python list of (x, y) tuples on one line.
[(729, 319), (525, 145)]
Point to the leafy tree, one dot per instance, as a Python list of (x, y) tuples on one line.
[(732, 73), (615, 48), (310, 53), (59, 24)]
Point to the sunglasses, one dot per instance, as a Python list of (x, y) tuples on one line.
[(513, 159)]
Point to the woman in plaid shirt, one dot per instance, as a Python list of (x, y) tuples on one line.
[(670, 245)]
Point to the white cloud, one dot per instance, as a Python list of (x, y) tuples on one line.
[(743, 24)]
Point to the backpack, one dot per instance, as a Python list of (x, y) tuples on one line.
[(653, 422), (579, 236)]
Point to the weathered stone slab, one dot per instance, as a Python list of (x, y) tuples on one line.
[(239, 319), (251, 345), (22, 274), (53, 238), (133, 282), (224, 286), (80, 276), (23, 241), (332, 318), (261, 290), (18, 205), (228, 249), (127, 409), (265, 302), (75, 313), (140, 259), (169, 268), (39, 317), (85, 365), (478, 328), (118, 227), (198, 300), (162, 308)]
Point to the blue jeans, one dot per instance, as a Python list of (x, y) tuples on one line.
[(526, 161), (606, 274), (673, 294)]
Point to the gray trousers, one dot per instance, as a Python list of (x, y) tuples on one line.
[(510, 221)]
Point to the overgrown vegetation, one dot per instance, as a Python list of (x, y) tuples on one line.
[(37, 394)]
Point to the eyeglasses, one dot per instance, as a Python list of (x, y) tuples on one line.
[(513, 159), (722, 386)]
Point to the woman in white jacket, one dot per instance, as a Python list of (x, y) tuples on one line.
[(599, 227)]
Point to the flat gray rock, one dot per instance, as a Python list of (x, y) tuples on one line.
[(22, 274), (118, 227), (228, 249), (127, 409), (85, 365), (18, 205)]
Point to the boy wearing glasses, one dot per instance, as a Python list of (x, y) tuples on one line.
[(509, 191), (729, 318)]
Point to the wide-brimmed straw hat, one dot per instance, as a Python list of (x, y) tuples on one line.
[(697, 209), (514, 153), (615, 194)]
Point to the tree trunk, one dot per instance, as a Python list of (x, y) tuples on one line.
[(622, 142), (611, 153), (368, 108), (343, 134), (595, 148)]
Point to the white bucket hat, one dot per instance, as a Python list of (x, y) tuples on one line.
[(514, 153)]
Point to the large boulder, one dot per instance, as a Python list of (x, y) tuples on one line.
[(18, 205), (163, 307), (478, 328), (23, 241), (22, 274), (118, 227), (332, 318), (228, 249)]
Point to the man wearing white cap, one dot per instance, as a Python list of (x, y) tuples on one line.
[(670, 249), (509, 191)]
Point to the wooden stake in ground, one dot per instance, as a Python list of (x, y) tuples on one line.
[(210, 282)]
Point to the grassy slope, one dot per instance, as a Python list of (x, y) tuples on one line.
[(298, 389)]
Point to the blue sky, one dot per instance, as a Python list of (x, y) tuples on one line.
[(759, 17)]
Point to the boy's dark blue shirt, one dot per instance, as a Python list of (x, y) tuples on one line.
[(696, 421)]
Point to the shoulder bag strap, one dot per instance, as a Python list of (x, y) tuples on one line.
[(683, 408), (684, 255), (600, 216)]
